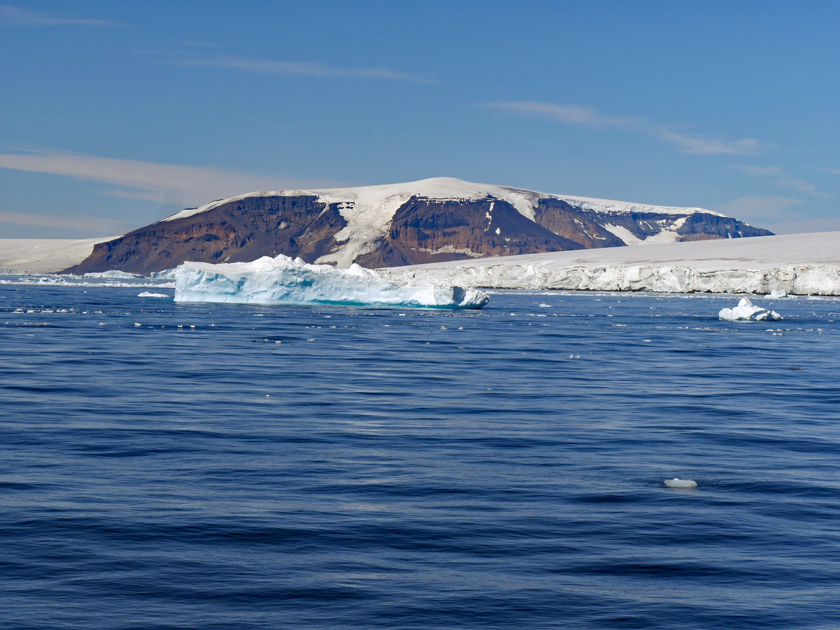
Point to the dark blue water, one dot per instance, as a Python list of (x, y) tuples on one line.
[(349, 468)]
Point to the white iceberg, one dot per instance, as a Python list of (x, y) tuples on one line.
[(681, 483), (114, 273), (747, 311), (282, 280)]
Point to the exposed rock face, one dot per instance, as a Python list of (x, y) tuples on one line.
[(689, 227), (429, 230), (384, 226), (574, 224), (239, 231)]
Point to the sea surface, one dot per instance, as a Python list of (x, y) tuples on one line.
[(225, 466)]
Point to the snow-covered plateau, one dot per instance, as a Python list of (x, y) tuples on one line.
[(796, 264), (282, 280)]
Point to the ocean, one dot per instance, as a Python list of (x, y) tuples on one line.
[(176, 466)]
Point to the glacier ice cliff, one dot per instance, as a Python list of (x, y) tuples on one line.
[(791, 280), (282, 280)]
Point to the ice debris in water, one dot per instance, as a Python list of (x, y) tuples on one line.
[(149, 294), (282, 280), (680, 483), (114, 273), (747, 311)]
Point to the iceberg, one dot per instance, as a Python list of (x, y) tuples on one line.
[(114, 273), (747, 311), (681, 483), (285, 281)]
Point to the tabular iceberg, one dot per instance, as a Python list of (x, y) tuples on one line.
[(747, 311), (282, 280)]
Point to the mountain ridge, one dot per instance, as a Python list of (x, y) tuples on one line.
[(429, 220)]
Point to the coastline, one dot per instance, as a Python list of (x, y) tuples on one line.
[(796, 264)]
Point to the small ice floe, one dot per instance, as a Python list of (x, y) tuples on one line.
[(152, 295), (776, 294), (680, 483), (746, 311)]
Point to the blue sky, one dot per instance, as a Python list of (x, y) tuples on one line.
[(116, 114)]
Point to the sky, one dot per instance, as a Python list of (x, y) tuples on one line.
[(114, 115)]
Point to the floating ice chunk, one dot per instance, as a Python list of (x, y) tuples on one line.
[(777, 293), (282, 280), (747, 311), (152, 295), (680, 483), (113, 273), (166, 274)]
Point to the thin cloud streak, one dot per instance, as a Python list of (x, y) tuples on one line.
[(300, 68), (590, 117), (568, 114), (177, 184), (16, 16), (782, 179), (782, 215), (96, 224)]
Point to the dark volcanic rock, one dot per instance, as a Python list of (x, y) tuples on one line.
[(238, 231), (701, 227), (574, 224), (434, 230), (689, 227)]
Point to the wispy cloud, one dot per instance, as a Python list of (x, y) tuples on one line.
[(782, 215), (781, 178), (92, 225), (709, 146), (760, 208), (16, 16), (568, 114), (831, 171), (278, 68), (590, 117), (174, 184)]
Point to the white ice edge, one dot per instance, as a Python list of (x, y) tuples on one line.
[(284, 281), (795, 280)]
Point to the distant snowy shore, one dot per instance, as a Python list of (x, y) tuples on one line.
[(46, 255), (797, 264)]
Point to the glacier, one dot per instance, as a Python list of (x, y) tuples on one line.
[(787, 280), (286, 281)]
